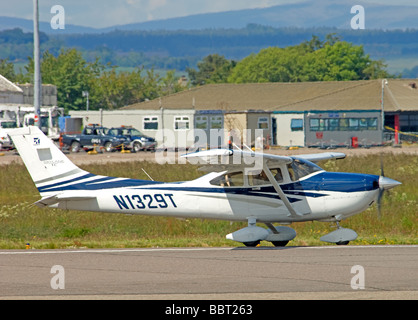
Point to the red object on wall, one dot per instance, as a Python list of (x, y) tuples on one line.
[(354, 142), (396, 128)]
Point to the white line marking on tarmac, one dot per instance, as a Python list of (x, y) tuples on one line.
[(65, 251)]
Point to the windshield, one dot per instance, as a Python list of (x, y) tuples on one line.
[(300, 168)]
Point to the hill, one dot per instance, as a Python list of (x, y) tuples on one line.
[(306, 14)]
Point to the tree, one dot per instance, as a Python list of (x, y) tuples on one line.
[(7, 70), (71, 74), (314, 60), (212, 69)]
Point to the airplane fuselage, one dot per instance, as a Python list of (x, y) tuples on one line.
[(319, 196)]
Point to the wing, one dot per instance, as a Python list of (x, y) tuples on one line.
[(217, 160), (316, 157)]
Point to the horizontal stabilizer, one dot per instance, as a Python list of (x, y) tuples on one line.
[(49, 201)]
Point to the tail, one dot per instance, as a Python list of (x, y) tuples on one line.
[(46, 164), (56, 177)]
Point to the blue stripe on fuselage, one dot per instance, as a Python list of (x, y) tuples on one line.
[(96, 184), (322, 182)]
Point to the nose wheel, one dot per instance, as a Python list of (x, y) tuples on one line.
[(341, 236)]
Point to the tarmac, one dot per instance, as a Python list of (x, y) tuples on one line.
[(263, 273)]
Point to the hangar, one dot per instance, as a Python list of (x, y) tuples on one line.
[(307, 114)]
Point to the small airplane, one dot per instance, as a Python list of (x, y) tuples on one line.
[(243, 186)]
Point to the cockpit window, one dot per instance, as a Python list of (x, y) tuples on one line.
[(257, 178), (300, 168), (235, 179)]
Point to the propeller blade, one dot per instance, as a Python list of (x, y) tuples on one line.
[(382, 171), (379, 203)]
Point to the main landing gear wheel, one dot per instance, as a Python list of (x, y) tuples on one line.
[(342, 243), (252, 244), (279, 243), (252, 235)]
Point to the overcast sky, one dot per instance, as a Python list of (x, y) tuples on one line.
[(105, 13)]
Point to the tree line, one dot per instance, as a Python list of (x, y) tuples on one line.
[(108, 88), (330, 59), (314, 60)]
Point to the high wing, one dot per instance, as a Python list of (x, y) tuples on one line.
[(316, 157), (217, 160), (230, 160)]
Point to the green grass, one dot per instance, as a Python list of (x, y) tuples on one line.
[(21, 222)]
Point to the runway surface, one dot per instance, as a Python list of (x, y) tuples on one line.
[(387, 272)]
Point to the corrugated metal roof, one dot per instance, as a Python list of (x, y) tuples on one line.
[(301, 96)]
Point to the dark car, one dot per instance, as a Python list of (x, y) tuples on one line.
[(94, 135), (138, 140)]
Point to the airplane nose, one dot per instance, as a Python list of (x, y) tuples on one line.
[(387, 183)]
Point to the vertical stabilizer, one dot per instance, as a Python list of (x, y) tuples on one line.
[(43, 159)]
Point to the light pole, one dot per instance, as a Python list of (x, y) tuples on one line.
[(384, 83), (37, 85), (86, 94)]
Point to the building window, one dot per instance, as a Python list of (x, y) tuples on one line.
[(216, 122), (150, 123), (263, 123), (181, 123), (353, 124), (296, 125), (372, 123), (343, 124), (201, 122)]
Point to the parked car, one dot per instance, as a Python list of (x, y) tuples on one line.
[(94, 135), (138, 140), (5, 142)]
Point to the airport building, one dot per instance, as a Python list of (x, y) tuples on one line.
[(307, 114)]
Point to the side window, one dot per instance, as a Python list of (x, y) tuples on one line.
[(201, 122), (296, 125), (181, 123), (263, 123), (150, 123), (235, 179), (277, 173), (257, 178)]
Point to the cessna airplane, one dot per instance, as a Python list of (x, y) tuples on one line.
[(243, 186)]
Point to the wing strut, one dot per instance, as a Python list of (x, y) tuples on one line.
[(292, 211)]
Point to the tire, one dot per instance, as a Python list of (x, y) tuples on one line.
[(342, 243), (137, 147), (75, 146), (280, 243), (252, 243), (108, 147)]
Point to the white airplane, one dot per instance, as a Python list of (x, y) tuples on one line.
[(255, 187)]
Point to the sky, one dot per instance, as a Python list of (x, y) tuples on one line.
[(106, 13)]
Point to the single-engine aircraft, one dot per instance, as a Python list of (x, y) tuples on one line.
[(279, 189)]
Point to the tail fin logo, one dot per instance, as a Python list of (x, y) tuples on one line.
[(36, 141)]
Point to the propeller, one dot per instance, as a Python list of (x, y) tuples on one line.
[(384, 184), (381, 189)]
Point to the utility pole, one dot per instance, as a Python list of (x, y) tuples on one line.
[(37, 85), (384, 83)]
